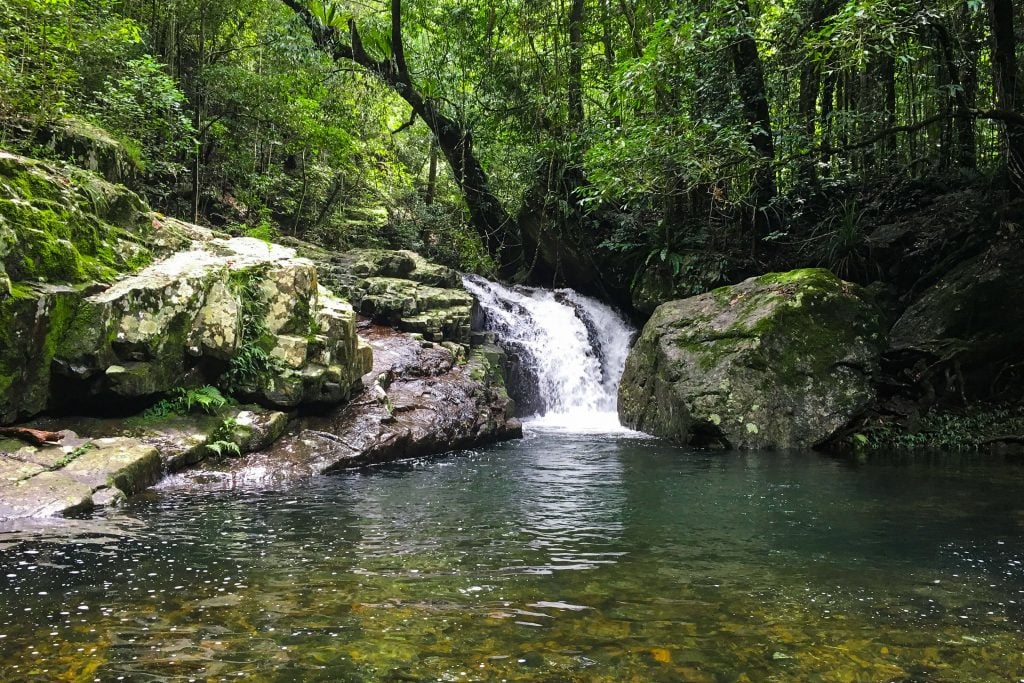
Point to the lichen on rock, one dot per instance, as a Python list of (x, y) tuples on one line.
[(779, 361)]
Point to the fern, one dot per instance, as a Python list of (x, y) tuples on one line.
[(222, 448), (208, 398), (182, 402)]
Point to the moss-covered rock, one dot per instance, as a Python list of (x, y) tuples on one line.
[(237, 301), (779, 361), (89, 147), (66, 225), (101, 299)]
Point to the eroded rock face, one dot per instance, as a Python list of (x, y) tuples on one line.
[(779, 361), (420, 399), (400, 289)]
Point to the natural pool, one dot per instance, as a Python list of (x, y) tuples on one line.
[(558, 558)]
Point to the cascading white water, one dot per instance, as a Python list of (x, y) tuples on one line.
[(568, 352)]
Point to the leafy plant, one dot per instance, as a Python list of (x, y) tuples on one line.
[(222, 440), (840, 243), (183, 401), (964, 430), (223, 448), (73, 455), (251, 364)]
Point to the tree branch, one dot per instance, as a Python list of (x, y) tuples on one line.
[(408, 124), (397, 45), (1011, 118)]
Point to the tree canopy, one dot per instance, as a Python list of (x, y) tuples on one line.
[(578, 141)]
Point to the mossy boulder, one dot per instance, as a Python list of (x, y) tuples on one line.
[(779, 361), (240, 306), (66, 225), (89, 147)]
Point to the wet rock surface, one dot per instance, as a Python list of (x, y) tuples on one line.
[(101, 461), (779, 361), (62, 479), (421, 398)]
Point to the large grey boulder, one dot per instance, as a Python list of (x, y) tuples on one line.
[(253, 306), (779, 361), (421, 399)]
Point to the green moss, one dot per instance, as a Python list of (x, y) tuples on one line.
[(58, 235), (710, 349), (302, 316), (251, 367), (804, 276)]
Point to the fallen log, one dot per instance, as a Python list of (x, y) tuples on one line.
[(35, 437)]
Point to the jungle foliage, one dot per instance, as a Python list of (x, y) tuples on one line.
[(569, 141)]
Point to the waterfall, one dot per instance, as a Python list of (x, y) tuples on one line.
[(566, 352)]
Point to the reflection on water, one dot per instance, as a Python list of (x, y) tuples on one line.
[(559, 558), (569, 503)]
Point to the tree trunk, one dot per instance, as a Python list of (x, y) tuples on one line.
[(754, 100), (576, 64), (1004, 68), (960, 134), (487, 215), (827, 108), (810, 84)]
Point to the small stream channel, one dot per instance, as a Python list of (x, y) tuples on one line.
[(583, 552)]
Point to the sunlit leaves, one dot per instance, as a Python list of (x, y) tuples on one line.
[(330, 14)]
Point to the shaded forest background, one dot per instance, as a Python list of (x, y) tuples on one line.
[(638, 149)]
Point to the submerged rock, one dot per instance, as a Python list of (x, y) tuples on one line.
[(779, 361), (420, 399)]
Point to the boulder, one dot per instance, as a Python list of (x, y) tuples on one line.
[(962, 335), (90, 147), (421, 399), (254, 307), (779, 361)]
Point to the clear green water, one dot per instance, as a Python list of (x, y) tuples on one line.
[(558, 558)]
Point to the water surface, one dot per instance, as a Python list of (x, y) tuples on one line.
[(559, 558)]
